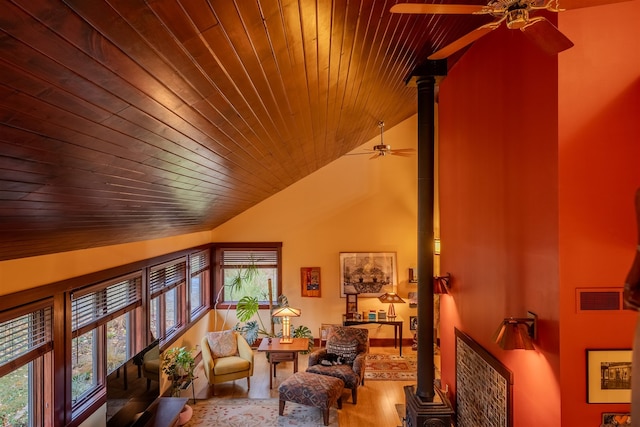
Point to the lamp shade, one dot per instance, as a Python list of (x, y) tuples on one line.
[(514, 334), (390, 297), (287, 312), (441, 284)]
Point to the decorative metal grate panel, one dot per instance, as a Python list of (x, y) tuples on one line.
[(483, 386)]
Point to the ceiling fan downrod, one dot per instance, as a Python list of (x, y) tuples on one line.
[(381, 148)]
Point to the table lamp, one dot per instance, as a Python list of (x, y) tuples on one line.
[(286, 313), (391, 297)]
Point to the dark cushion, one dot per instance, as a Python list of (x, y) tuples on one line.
[(347, 351)]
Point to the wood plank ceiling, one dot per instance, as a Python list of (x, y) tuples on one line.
[(128, 120)]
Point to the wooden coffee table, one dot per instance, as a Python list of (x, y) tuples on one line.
[(283, 352)]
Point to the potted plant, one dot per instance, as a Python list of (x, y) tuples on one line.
[(244, 275), (178, 364), (248, 307)]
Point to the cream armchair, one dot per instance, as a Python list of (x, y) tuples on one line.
[(226, 356)]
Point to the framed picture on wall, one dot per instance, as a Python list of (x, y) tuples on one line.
[(310, 281), (352, 307), (369, 274), (613, 419), (609, 376), (413, 323), (413, 299)]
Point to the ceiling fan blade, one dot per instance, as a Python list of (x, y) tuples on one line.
[(576, 4), (375, 156), (463, 41), (401, 154), (420, 8), (543, 33)]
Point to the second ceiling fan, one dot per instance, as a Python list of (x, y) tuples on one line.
[(382, 149), (516, 14)]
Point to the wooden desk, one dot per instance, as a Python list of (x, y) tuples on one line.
[(396, 323), (283, 352)]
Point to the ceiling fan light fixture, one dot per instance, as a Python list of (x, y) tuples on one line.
[(382, 148), (517, 18)]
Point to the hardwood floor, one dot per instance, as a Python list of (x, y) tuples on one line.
[(376, 399)]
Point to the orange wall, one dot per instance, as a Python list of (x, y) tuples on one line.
[(498, 210), (599, 163), (25, 273), (539, 163)]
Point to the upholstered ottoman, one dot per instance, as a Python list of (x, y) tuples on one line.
[(320, 391)]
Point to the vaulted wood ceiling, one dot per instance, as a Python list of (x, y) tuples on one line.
[(127, 120)]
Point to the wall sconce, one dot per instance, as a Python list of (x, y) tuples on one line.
[(441, 284), (436, 246), (515, 333), (286, 313), (391, 297)]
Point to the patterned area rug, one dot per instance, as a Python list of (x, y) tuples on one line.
[(391, 367), (255, 413)]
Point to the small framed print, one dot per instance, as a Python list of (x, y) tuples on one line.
[(613, 419), (413, 323), (310, 281), (609, 376), (352, 306)]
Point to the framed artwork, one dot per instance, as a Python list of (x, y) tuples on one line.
[(352, 306), (413, 299), (310, 281), (609, 376), (368, 274), (413, 323), (613, 419)]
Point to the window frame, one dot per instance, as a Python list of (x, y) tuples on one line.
[(37, 356), (159, 285), (199, 266), (219, 268), (91, 309)]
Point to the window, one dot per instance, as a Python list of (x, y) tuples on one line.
[(101, 339), (198, 281), (25, 365), (167, 293), (248, 271)]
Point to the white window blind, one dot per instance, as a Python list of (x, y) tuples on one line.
[(242, 258), (99, 304), (25, 334), (167, 276), (198, 262)]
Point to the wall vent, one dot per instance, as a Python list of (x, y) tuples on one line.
[(599, 299)]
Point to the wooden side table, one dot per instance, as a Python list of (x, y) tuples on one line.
[(283, 352)]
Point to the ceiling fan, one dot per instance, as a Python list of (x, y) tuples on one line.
[(516, 14), (382, 149)]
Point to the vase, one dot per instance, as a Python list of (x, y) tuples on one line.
[(185, 415)]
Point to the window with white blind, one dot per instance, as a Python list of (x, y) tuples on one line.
[(198, 281), (26, 376), (248, 270), (167, 292), (101, 336)]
